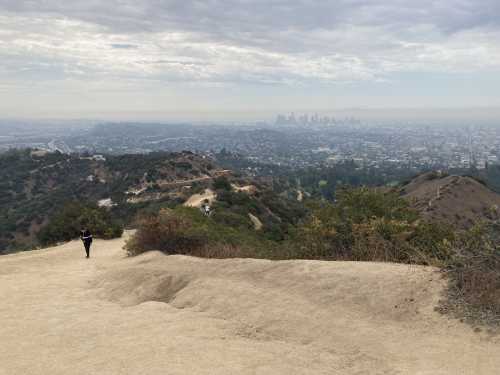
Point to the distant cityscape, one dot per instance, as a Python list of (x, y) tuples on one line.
[(295, 141), (314, 119)]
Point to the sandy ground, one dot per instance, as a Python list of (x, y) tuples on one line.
[(249, 189), (63, 314), (300, 196), (197, 200)]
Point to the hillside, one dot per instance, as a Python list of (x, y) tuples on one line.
[(35, 184), (42, 195), (160, 314), (461, 201)]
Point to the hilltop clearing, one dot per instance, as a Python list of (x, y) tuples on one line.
[(157, 314), (461, 201)]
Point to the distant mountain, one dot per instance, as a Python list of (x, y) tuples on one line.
[(458, 200)]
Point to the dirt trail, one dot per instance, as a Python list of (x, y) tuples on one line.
[(249, 189), (257, 224), (300, 196), (216, 174), (63, 314)]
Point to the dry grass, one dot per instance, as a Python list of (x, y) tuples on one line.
[(462, 201), (187, 232), (474, 274), (167, 232)]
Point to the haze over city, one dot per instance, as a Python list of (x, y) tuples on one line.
[(160, 60)]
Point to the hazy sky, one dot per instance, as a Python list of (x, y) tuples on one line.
[(82, 58)]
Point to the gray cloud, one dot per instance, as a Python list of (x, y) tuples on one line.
[(231, 42), (232, 18)]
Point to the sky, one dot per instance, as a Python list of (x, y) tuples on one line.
[(146, 58)]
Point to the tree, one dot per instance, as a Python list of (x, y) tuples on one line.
[(222, 183)]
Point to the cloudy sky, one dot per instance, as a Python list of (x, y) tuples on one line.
[(82, 58)]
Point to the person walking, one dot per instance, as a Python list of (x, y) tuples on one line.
[(86, 238)]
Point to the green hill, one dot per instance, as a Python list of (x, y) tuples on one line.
[(35, 185), (40, 191)]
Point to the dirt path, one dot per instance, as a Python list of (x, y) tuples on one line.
[(300, 196), (63, 314), (257, 224), (249, 189), (224, 172)]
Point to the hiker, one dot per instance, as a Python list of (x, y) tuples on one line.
[(86, 238)]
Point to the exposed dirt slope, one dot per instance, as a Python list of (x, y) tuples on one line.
[(197, 200), (461, 201), (63, 314), (257, 224)]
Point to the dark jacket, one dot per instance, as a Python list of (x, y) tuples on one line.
[(86, 236)]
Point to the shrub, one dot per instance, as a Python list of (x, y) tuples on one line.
[(186, 231), (434, 175), (232, 219), (236, 199), (289, 210), (474, 273), (183, 165), (66, 224), (197, 188), (381, 241), (363, 204), (371, 225), (433, 241), (222, 183), (167, 232)]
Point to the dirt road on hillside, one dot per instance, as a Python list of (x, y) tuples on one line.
[(63, 314)]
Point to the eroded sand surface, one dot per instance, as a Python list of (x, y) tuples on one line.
[(197, 200), (63, 314)]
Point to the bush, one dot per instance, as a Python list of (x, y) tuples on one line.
[(236, 199), (166, 232), (66, 224), (186, 231), (184, 165), (363, 204), (232, 219), (474, 273), (433, 240), (222, 183), (371, 225), (197, 188)]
